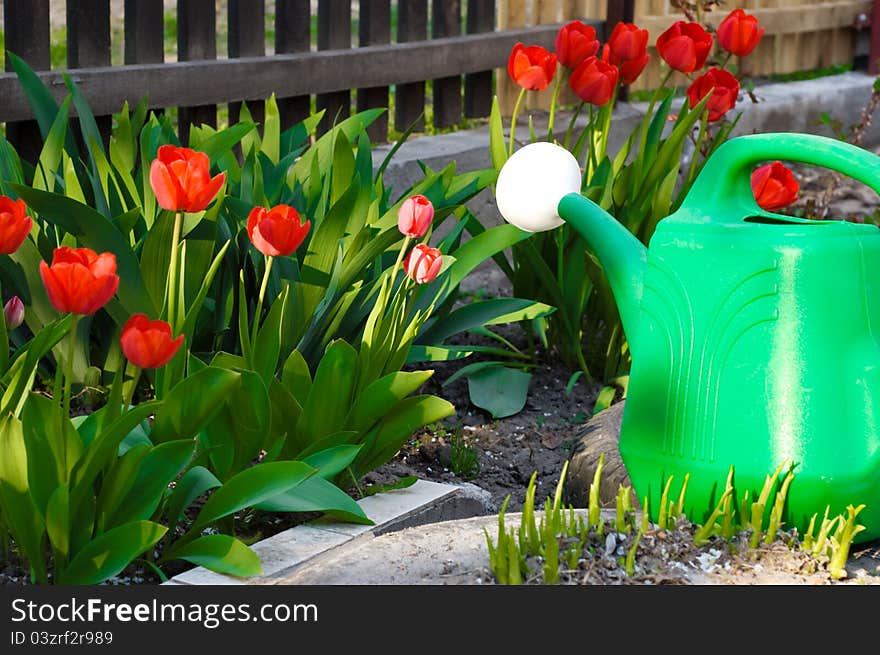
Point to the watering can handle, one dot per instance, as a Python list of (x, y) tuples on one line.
[(725, 177)]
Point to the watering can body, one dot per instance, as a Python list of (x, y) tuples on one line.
[(755, 339)]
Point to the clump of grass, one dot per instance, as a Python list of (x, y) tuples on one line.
[(464, 460), (560, 538)]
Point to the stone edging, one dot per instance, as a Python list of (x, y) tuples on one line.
[(283, 553)]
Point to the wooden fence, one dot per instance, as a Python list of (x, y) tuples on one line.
[(452, 43), (455, 44)]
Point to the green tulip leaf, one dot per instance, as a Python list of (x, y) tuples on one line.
[(111, 552)]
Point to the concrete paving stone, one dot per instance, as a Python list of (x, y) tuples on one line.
[(391, 505)]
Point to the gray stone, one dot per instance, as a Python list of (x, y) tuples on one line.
[(600, 436)]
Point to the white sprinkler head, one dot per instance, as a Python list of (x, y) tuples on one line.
[(531, 184)]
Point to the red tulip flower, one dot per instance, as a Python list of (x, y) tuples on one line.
[(575, 42), (13, 312), (531, 67), (739, 33), (628, 43), (278, 231), (774, 186), (630, 69), (148, 344), (181, 179), (685, 46), (594, 81), (415, 216), (80, 281), (423, 263), (726, 90), (15, 224)]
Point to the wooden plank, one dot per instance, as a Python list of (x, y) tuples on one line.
[(196, 41), (293, 34), (478, 86), (512, 14), (246, 38), (409, 99), (227, 80), (144, 32), (334, 33), (88, 44), (26, 27), (446, 21), (374, 28)]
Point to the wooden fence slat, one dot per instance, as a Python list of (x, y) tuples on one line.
[(196, 40), (88, 44), (374, 28), (293, 34), (409, 99), (144, 32), (447, 90), (27, 35), (478, 86), (334, 33), (250, 78), (512, 14), (246, 38)]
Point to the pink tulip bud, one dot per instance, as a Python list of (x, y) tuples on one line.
[(13, 312), (415, 216), (423, 263)]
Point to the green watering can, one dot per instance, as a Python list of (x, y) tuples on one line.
[(755, 337)]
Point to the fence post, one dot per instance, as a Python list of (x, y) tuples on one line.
[(874, 60), (447, 91), (293, 34), (478, 86), (374, 28), (196, 39), (334, 33), (88, 43), (246, 38), (144, 32), (619, 11), (26, 26), (412, 25)]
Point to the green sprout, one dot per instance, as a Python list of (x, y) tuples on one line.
[(595, 513), (842, 540)]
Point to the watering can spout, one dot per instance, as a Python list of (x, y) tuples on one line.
[(539, 188), (622, 255)]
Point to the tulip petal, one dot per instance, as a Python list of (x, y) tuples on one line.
[(164, 186)]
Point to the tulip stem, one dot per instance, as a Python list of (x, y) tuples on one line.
[(646, 122), (172, 270), (522, 94), (394, 270), (570, 130), (68, 370), (261, 297), (135, 378), (553, 100)]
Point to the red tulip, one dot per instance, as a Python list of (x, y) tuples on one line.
[(278, 231), (531, 67), (774, 186), (415, 216), (148, 344), (423, 263), (594, 81), (15, 224), (628, 42), (726, 90), (685, 46), (739, 33), (575, 42), (80, 281), (13, 312), (630, 69), (181, 179)]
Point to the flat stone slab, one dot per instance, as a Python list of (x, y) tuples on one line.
[(283, 553)]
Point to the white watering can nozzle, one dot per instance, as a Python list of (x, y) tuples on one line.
[(531, 184)]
